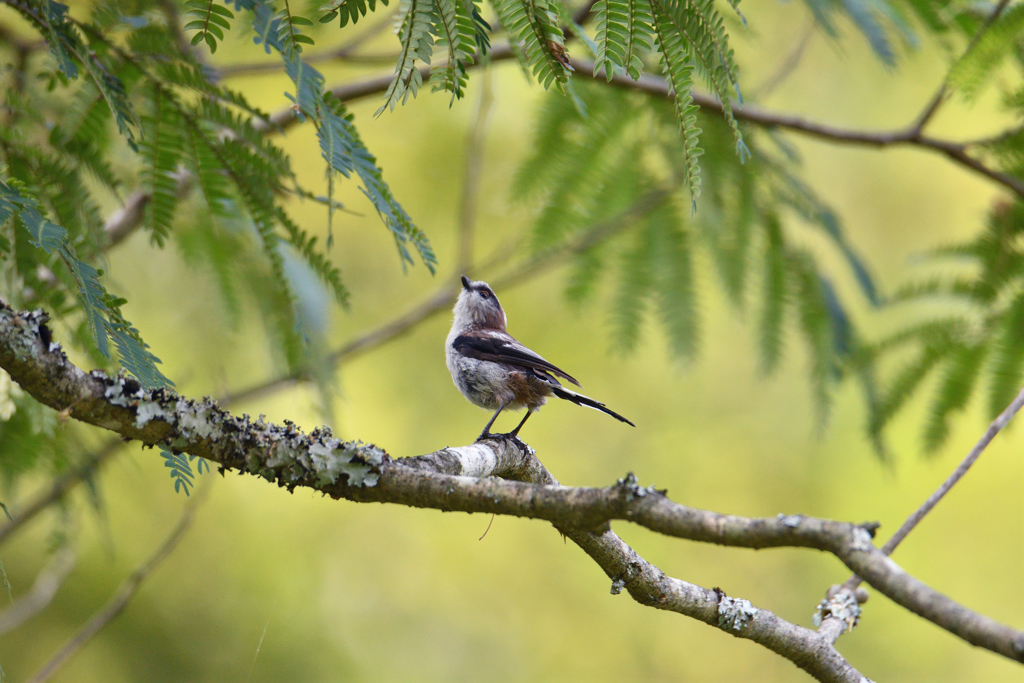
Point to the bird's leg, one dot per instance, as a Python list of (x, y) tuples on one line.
[(487, 430), (515, 432)]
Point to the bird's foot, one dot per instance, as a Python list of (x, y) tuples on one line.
[(510, 436)]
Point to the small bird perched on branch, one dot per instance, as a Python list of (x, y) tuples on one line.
[(495, 371)]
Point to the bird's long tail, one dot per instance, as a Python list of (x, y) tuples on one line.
[(581, 400)]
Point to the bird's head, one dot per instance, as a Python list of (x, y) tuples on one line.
[(478, 307)]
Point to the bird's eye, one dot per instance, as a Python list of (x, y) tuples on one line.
[(485, 294)]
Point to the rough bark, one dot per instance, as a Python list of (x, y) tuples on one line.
[(467, 479)]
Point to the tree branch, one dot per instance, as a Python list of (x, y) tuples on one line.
[(47, 582), (997, 425), (60, 486), (940, 95), (365, 473), (130, 217), (131, 585), (910, 135), (439, 301)]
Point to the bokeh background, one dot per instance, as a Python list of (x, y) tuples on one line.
[(272, 586)]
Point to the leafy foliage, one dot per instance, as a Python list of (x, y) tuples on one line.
[(979, 334), (534, 25), (180, 469), (191, 142), (210, 22), (456, 30), (346, 10), (101, 310), (691, 37), (619, 171), (624, 37), (415, 34), (877, 21), (1005, 38)]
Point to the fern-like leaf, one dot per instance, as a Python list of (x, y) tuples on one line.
[(456, 31), (634, 287), (1007, 365), (101, 310), (1002, 39), (676, 59), (776, 294), (210, 22), (534, 25), (348, 10), (179, 469), (417, 45), (162, 151), (674, 288), (954, 391), (624, 36)]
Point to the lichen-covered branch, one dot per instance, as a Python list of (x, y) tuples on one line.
[(453, 479)]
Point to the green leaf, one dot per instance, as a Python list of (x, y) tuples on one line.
[(624, 37), (1002, 39), (101, 310), (534, 24), (456, 31), (674, 288), (1007, 364), (417, 44), (677, 61), (776, 294), (954, 391)]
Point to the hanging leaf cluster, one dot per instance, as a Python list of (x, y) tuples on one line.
[(609, 184), (966, 330)]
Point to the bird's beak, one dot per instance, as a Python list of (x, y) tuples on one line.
[(465, 282)]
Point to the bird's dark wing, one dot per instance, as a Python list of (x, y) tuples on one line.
[(505, 349)]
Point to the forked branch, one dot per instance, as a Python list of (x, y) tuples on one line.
[(452, 479)]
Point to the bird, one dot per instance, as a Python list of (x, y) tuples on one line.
[(493, 370)]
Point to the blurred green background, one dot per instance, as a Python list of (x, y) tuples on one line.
[(271, 586)]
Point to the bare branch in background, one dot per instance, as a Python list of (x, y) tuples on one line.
[(59, 488), (44, 588), (940, 96), (127, 591), (957, 474), (789, 64)]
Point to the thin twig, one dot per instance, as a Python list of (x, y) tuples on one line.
[(789, 65), (60, 487), (273, 66), (131, 585), (940, 95), (933, 500), (44, 588)]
